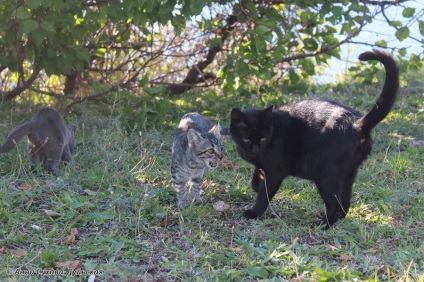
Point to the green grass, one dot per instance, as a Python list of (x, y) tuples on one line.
[(119, 196)]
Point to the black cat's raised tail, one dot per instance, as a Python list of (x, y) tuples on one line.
[(388, 95), (320, 140)]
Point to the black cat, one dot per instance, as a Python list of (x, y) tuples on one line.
[(320, 140)]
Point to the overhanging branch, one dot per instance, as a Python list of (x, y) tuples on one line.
[(196, 74)]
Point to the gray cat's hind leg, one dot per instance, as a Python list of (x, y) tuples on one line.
[(52, 160), (67, 156)]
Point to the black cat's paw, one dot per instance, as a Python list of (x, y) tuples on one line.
[(250, 214)]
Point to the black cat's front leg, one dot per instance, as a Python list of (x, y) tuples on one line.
[(257, 178), (268, 189)]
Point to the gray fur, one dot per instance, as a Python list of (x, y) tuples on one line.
[(49, 139), (197, 145)]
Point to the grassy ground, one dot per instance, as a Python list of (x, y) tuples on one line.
[(112, 213)]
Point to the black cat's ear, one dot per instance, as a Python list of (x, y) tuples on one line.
[(238, 119), (268, 113)]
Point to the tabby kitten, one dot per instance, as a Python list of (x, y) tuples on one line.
[(197, 145), (319, 140)]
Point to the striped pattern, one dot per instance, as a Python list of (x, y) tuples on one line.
[(197, 145)]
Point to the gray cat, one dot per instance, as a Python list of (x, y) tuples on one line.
[(197, 145), (49, 139)]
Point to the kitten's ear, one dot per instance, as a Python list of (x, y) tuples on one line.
[(216, 129), (238, 119), (193, 137), (268, 113)]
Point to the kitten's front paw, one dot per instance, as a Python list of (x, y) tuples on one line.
[(183, 204), (250, 214), (198, 201)]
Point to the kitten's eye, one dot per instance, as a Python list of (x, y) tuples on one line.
[(263, 140), (245, 140), (211, 151)]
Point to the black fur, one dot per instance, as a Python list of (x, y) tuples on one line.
[(320, 140)]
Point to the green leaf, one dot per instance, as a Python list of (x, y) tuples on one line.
[(242, 68), (267, 36), (38, 35), (167, 6), (33, 4), (337, 11), (144, 81), (262, 29), (264, 32), (395, 23), (381, 43), (402, 51), (402, 33), (421, 25), (22, 13), (47, 26), (310, 44), (265, 73), (408, 12), (260, 45), (196, 6), (178, 22), (308, 67), (294, 77), (29, 25)]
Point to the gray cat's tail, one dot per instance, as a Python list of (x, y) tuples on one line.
[(15, 136), (389, 93)]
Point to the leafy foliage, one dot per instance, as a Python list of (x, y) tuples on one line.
[(56, 47)]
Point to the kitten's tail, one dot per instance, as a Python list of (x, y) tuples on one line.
[(389, 93), (15, 136)]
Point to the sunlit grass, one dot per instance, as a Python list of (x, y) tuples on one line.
[(119, 195)]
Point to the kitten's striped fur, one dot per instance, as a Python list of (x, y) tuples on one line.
[(197, 145)]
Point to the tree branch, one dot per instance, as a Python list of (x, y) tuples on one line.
[(94, 96), (196, 75), (395, 27), (9, 95)]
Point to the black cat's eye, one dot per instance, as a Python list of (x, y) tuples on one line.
[(263, 140), (245, 140)]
